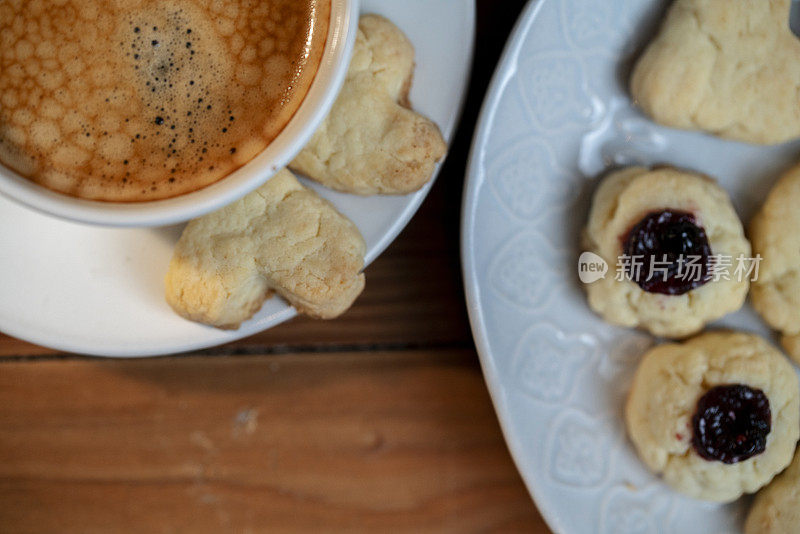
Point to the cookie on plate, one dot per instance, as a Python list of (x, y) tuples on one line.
[(717, 416), (775, 233), (677, 246), (282, 238), (776, 509), (730, 68), (372, 142)]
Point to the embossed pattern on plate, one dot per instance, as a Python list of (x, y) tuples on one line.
[(558, 115)]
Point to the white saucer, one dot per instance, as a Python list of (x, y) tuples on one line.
[(557, 115), (100, 291)]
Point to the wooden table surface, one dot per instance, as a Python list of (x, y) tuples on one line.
[(377, 421)]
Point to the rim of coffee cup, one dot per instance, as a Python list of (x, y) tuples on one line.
[(315, 106)]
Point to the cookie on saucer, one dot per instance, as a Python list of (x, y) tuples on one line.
[(372, 142), (281, 238)]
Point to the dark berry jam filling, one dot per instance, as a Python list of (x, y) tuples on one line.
[(731, 423), (668, 242)]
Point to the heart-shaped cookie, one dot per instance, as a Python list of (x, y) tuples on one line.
[(372, 142), (281, 238)]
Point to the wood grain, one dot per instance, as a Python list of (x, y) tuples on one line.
[(405, 440)]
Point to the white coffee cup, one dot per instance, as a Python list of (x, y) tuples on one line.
[(316, 105)]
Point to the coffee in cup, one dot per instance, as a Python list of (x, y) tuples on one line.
[(140, 100)]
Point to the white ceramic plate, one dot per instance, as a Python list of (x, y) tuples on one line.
[(100, 291), (557, 115)]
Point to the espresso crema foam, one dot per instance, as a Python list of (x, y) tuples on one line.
[(137, 100)]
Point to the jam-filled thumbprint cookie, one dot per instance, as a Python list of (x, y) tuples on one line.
[(676, 250), (716, 416)]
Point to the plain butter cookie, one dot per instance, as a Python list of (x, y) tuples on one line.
[(775, 233), (727, 67), (776, 509)]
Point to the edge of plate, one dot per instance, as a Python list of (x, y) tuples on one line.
[(505, 70)]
